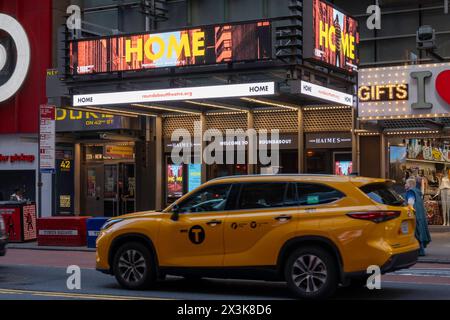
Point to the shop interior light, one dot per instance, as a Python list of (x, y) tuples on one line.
[(166, 108), (215, 105), (271, 103)]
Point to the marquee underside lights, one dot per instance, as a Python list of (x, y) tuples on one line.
[(17, 33)]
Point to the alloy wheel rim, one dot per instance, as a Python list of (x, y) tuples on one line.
[(132, 266), (309, 273)]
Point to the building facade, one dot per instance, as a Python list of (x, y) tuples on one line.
[(25, 44), (403, 109), (245, 72)]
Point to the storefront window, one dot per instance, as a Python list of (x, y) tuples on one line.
[(427, 160), (22, 180), (91, 182)]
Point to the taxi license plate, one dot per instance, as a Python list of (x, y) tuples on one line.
[(405, 227)]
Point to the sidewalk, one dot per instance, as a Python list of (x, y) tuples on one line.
[(437, 252), (34, 246)]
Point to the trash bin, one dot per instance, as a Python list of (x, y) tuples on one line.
[(93, 229)]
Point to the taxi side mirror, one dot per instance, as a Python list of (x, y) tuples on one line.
[(175, 213)]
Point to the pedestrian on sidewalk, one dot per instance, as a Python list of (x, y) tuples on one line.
[(414, 198)]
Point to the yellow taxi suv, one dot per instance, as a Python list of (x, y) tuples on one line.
[(314, 232)]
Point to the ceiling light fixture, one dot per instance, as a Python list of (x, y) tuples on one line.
[(270, 103), (167, 109), (215, 105)]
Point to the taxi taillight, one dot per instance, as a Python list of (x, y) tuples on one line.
[(375, 216)]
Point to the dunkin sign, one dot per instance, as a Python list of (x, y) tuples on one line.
[(411, 91)]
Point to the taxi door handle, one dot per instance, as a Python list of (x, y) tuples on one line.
[(283, 218), (213, 222)]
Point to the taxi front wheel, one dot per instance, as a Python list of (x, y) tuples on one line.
[(134, 267), (311, 273)]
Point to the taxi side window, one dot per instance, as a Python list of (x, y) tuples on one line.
[(209, 199), (266, 195), (315, 194)]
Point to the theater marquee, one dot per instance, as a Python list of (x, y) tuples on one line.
[(176, 94), (196, 46)]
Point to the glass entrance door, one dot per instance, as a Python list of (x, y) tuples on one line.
[(111, 194), (127, 188), (94, 190), (119, 189)]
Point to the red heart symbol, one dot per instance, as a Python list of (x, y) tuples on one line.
[(443, 85)]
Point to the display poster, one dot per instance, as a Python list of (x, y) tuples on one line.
[(65, 177), (174, 181), (397, 160), (118, 152), (11, 216), (194, 176), (29, 222), (343, 168)]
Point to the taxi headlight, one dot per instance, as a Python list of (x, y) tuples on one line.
[(109, 223)]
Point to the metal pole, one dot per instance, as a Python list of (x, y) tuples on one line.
[(301, 141), (39, 209)]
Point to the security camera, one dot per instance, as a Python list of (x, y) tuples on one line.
[(426, 38)]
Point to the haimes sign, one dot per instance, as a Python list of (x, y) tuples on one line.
[(196, 46)]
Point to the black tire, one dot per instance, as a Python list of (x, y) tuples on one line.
[(140, 273), (315, 270)]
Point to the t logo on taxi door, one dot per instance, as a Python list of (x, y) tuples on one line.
[(196, 234)]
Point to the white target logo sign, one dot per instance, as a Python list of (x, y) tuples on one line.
[(15, 57)]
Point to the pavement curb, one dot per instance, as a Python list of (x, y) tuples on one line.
[(12, 246)]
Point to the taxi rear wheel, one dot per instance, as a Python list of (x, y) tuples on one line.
[(311, 273), (134, 267)]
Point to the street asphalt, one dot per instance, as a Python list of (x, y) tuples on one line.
[(31, 274)]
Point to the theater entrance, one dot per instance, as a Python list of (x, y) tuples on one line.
[(109, 184)]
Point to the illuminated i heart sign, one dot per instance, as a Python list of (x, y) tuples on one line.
[(443, 85)]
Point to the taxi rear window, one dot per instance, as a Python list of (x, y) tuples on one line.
[(383, 193)]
